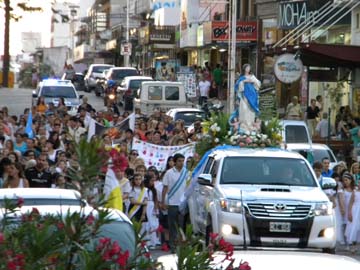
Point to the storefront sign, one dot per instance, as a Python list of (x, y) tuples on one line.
[(245, 31), (288, 69), (291, 14), (162, 34)]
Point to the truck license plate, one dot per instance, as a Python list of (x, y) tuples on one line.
[(280, 227)]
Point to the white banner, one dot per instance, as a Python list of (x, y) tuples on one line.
[(157, 155)]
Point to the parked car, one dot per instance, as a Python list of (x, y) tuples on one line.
[(95, 71), (262, 197), (189, 115), (52, 90), (275, 259), (51, 201), (161, 95), (319, 151)]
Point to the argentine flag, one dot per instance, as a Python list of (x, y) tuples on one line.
[(112, 190), (28, 128)]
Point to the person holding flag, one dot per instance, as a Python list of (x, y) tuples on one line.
[(112, 189), (29, 128)]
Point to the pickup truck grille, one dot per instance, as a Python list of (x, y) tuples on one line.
[(281, 211)]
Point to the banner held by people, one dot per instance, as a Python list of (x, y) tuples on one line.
[(157, 155)]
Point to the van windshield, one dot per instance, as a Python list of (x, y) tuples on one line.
[(296, 134), (266, 171)]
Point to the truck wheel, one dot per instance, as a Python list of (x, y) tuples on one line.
[(209, 230), (329, 250)]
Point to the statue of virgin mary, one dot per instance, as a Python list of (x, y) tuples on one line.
[(246, 92)]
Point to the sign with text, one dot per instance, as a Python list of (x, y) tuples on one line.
[(245, 31), (288, 68), (291, 14), (125, 49)]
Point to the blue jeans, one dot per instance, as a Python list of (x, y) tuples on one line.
[(175, 220)]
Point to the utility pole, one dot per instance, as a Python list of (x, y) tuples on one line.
[(6, 63), (232, 55), (127, 56)]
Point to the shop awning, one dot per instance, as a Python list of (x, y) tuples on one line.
[(329, 55), (322, 55)]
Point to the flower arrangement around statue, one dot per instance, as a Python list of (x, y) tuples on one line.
[(269, 135), (214, 132)]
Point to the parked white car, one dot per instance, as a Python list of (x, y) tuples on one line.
[(262, 197), (319, 151)]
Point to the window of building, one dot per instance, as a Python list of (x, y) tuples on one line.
[(172, 93), (155, 93)]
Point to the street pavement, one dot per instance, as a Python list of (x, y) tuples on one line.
[(18, 99)]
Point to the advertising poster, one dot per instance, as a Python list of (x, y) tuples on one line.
[(189, 80), (166, 69)]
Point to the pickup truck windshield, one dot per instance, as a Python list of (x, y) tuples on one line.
[(266, 171)]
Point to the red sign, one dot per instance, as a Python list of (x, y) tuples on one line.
[(245, 31)]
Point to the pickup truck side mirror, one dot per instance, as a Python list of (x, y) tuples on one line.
[(328, 183), (205, 179), (34, 95)]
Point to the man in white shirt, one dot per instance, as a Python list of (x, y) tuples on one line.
[(322, 127), (204, 88), (174, 187)]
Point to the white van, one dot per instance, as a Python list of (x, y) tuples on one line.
[(295, 131), (262, 197), (161, 95)]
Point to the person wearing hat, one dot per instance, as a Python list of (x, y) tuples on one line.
[(293, 110)]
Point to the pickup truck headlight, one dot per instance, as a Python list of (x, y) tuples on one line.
[(232, 206), (323, 209)]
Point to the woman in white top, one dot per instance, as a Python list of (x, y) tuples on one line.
[(15, 177)]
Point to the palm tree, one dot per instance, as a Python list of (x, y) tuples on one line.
[(8, 15)]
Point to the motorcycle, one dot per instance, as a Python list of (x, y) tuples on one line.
[(209, 108), (110, 95)]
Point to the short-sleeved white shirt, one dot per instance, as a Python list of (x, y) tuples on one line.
[(135, 193), (204, 88), (170, 178)]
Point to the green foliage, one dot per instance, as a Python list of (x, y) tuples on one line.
[(215, 132), (87, 168)]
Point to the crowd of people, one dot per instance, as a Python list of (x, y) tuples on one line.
[(345, 198), (43, 156)]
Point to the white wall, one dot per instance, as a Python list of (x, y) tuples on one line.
[(167, 16), (55, 57)]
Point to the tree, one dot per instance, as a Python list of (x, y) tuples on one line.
[(7, 7)]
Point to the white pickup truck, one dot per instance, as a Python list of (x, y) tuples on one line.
[(161, 95), (262, 197)]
